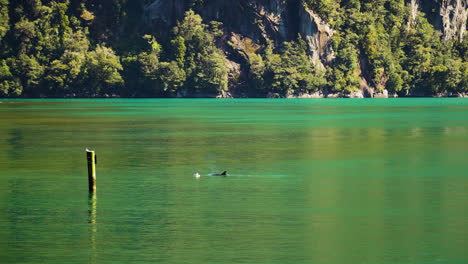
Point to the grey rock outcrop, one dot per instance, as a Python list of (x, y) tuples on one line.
[(259, 20), (164, 11), (454, 14), (315, 95), (383, 94), (252, 22), (334, 95), (318, 34), (357, 94), (449, 16), (273, 95)]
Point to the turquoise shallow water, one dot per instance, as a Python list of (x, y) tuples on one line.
[(312, 181)]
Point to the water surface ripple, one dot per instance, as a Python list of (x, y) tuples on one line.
[(312, 181)]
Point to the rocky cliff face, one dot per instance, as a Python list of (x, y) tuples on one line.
[(449, 16), (454, 14), (255, 22), (282, 20), (259, 20), (317, 34), (262, 21)]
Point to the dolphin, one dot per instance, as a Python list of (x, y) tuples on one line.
[(224, 173)]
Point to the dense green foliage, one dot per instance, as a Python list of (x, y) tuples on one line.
[(194, 66), (47, 52), (83, 48), (289, 72), (401, 54)]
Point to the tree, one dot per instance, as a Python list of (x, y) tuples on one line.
[(203, 64), (45, 51), (30, 73), (9, 85), (172, 77), (463, 85), (102, 68), (290, 72), (328, 9), (179, 50), (4, 18), (193, 31), (342, 76), (61, 19), (211, 74), (62, 74), (256, 72), (24, 31), (395, 82)]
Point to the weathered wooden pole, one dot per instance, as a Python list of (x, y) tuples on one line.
[(91, 157)]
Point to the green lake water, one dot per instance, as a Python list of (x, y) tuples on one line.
[(312, 181)]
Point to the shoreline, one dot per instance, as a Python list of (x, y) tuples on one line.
[(217, 98), (227, 95)]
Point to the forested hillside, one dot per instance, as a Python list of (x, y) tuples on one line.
[(239, 48)]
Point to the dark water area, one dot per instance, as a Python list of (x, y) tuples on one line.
[(311, 181)]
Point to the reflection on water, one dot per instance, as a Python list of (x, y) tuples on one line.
[(92, 211), (15, 140), (312, 181)]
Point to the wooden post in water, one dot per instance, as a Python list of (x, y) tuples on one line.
[(91, 157)]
